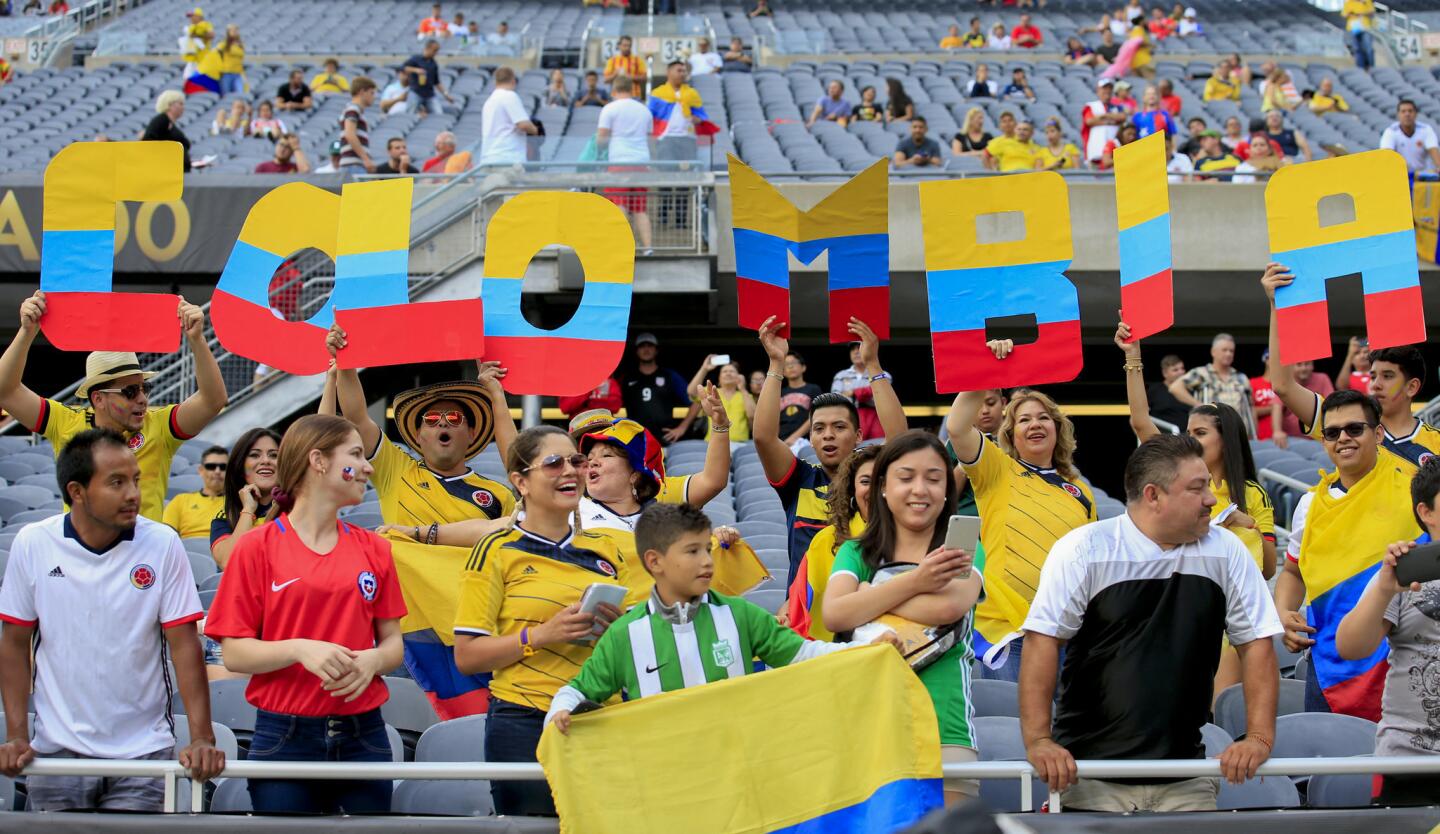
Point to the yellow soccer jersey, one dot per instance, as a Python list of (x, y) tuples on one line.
[(411, 495), (1258, 507), (190, 513), (1023, 511), (154, 445), (516, 579), (1417, 447)]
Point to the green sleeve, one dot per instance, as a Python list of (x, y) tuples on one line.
[(979, 567), (600, 677), (848, 559), (771, 642)]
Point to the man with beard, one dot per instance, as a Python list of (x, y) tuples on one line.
[(1142, 597), (114, 592), (834, 432), (119, 399)]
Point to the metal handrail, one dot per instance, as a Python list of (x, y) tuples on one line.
[(1284, 480), (172, 772)]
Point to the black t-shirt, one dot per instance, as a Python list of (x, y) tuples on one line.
[(967, 144), (388, 168), (795, 407), (1108, 52), (867, 112), (290, 96), (1164, 406), (432, 74), (161, 129), (650, 399)]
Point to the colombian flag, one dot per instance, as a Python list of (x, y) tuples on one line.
[(665, 102), (1143, 207), (757, 754), (1345, 539), (429, 580), (206, 78)]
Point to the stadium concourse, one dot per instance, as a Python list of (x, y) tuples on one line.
[(765, 101)]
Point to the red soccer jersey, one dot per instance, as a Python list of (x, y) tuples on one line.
[(276, 588), (1263, 395)]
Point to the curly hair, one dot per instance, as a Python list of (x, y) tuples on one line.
[(841, 500), (1063, 458)]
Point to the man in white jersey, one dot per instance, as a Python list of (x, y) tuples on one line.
[(504, 123), (624, 132), (101, 585), (1414, 140)]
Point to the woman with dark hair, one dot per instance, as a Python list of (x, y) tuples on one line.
[(519, 614), (250, 476), (1128, 133), (849, 505), (1245, 511), (900, 107), (900, 566), (310, 607)]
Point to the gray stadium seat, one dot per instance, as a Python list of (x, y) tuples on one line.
[(209, 583), (1260, 792), (998, 738), (1215, 739), (995, 698), (1230, 705), (442, 798), (1308, 734), (207, 598), (202, 565), (231, 796), (408, 708), (769, 600), (1339, 791), (28, 516), (456, 740)]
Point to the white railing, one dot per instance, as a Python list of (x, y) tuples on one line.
[(172, 772)]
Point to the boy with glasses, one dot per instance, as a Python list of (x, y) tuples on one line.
[(1338, 537), (190, 513), (118, 397)]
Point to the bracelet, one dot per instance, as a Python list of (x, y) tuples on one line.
[(1134, 366), (1269, 745), (880, 376), (250, 513), (526, 650), (720, 429), (774, 375), (433, 534), (415, 532)]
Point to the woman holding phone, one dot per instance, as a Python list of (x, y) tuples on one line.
[(1242, 506), (310, 607), (911, 499), (738, 402), (249, 478), (519, 616)]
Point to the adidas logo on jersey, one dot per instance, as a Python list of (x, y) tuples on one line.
[(598, 517), (58, 572), (529, 569), (424, 484)]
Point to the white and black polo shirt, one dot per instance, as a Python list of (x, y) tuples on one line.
[(1143, 627), (102, 688)]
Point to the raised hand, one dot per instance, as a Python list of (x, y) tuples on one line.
[(1276, 276), (30, 312), (776, 346), (335, 340)]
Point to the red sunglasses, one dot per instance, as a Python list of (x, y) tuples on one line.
[(450, 418)]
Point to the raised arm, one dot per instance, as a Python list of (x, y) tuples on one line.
[(198, 409), (1135, 395), (708, 482), (17, 400), (1342, 377), (775, 456), (698, 380), (882, 389), (490, 374), (327, 397), (350, 395), (960, 423), (1295, 396)]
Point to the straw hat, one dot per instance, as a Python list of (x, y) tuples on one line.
[(410, 408), (105, 365)]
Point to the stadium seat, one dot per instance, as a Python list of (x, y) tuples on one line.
[(442, 798), (7, 793), (207, 598), (201, 565), (1260, 792), (992, 697), (998, 739), (1215, 739), (769, 600), (456, 740), (229, 707), (1230, 706), (225, 740), (408, 709), (232, 796), (1351, 790), (28, 516), (1308, 734), (209, 583)]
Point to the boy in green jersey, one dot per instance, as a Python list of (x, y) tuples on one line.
[(685, 634)]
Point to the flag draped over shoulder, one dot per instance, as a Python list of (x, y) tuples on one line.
[(757, 754), (206, 78), (430, 580), (1344, 541), (664, 102)]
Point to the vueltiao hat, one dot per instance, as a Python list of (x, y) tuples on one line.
[(410, 406)]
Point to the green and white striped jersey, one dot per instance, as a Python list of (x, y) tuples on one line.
[(643, 653)]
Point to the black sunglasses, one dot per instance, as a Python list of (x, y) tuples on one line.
[(1332, 433), (214, 467), (553, 464), (129, 392)]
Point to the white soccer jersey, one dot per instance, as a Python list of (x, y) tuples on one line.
[(102, 688)]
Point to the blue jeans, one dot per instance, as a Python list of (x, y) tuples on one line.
[(512, 733), (337, 738), (1362, 45), (1314, 695), (232, 82)]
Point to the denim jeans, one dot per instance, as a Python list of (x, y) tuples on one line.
[(512, 733), (1314, 695), (232, 82), (336, 738), (1362, 44)]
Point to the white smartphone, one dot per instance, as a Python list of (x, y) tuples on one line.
[(596, 595), (963, 534), (1219, 519), (720, 359)]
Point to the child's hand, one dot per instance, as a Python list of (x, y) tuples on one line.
[(892, 638), (562, 721)]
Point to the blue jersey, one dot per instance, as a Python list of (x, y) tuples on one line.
[(1153, 121), (804, 492)]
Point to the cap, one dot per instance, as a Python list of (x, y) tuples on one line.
[(1122, 83), (646, 339), (1105, 82), (1189, 11), (591, 420), (1211, 132)]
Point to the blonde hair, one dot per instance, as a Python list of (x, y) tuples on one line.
[(166, 99), (1063, 457), (970, 114)]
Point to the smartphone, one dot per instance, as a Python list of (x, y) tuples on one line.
[(720, 359), (963, 534), (1219, 519), (596, 595), (1421, 564)]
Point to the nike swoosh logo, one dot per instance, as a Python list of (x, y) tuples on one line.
[(282, 585), (650, 670)]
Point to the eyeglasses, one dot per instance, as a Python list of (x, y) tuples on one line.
[(129, 392), (1332, 433), (449, 418), (554, 464), (214, 467)]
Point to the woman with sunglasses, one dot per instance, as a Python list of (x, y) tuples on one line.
[(1242, 506), (250, 477), (310, 608), (519, 607)]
